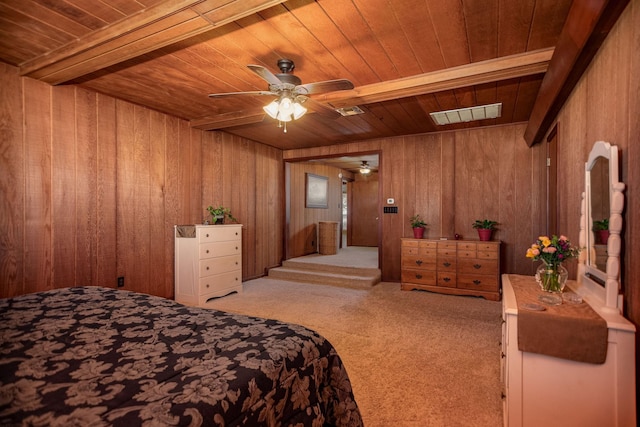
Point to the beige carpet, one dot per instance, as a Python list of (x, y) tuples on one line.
[(414, 358)]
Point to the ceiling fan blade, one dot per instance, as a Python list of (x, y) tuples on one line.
[(265, 74), (254, 92), (325, 86)]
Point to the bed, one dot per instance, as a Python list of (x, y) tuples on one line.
[(99, 356)]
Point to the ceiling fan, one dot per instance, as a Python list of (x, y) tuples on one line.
[(289, 91)]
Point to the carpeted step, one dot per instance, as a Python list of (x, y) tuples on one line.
[(330, 268), (314, 275)]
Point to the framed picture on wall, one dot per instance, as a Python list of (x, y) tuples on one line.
[(317, 188)]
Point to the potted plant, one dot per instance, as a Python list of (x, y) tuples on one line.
[(418, 226), (485, 227), (219, 214), (602, 228)]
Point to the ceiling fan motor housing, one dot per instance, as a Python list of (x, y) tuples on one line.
[(287, 76)]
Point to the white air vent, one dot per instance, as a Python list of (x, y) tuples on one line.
[(350, 111), (490, 111)]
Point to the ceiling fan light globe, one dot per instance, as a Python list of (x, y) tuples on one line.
[(285, 118), (286, 106), (271, 109), (298, 110)]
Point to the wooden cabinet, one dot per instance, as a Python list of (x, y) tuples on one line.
[(541, 390), (208, 262), (457, 267)]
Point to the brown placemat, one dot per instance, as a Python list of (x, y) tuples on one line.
[(568, 331)]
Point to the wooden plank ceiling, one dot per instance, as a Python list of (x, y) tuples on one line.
[(406, 58)]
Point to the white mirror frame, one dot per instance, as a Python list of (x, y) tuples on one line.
[(590, 277)]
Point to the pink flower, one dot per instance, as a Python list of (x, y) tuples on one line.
[(549, 249)]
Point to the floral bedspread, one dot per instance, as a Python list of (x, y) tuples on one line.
[(91, 356)]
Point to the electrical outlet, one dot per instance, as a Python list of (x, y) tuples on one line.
[(121, 282)]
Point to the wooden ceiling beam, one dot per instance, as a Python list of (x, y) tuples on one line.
[(493, 70), (161, 25), (530, 63), (586, 27)]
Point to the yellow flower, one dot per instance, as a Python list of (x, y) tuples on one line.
[(544, 240), (533, 251)]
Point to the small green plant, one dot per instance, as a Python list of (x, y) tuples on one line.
[(485, 224), (417, 222), (601, 225), (220, 214)]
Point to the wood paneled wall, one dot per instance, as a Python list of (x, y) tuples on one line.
[(302, 222), (605, 106), (91, 188), (453, 178)]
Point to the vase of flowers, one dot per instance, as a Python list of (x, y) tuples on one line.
[(552, 251), (552, 278)]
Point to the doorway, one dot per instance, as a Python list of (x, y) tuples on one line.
[(353, 193)]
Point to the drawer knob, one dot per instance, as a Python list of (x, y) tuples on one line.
[(477, 266), (207, 235), (419, 261), (207, 250), (447, 264), (418, 276), (236, 248), (447, 279), (207, 269), (207, 285), (236, 262), (476, 282)]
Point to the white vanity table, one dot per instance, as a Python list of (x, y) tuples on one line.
[(548, 391), (542, 390)]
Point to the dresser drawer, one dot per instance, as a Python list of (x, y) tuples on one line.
[(478, 282), (428, 248), (219, 234), (217, 282), (467, 246), (418, 262), (478, 266), (423, 277), (220, 265), (447, 280), (488, 254), (409, 247), (447, 249), (216, 249), (446, 264), (466, 253), (419, 247), (488, 247)]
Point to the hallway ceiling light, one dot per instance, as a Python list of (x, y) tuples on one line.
[(364, 168), (481, 112)]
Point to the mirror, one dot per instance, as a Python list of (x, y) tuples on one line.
[(600, 226), (599, 200)]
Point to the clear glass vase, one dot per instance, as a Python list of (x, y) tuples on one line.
[(552, 278)]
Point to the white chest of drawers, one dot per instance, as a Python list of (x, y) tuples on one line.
[(208, 262)]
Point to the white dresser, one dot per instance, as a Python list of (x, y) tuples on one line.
[(541, 390), (208, 262)]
